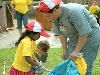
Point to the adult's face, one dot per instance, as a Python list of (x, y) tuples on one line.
[(53, 16)]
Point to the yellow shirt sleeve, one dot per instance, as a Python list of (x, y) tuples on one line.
[(29, 2), (29, 49)]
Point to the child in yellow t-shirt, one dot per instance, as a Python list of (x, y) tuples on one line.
[(27, 49), (93, 9), (21, 7)]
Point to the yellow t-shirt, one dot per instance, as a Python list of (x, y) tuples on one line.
[(21, 5), (25, 48)]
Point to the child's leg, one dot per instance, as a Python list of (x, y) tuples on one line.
[(25, 19), (19, 22)]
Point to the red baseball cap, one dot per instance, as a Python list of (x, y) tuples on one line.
[(46, 5), (36, 27)]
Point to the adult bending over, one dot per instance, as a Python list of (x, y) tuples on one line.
[(73, 21)]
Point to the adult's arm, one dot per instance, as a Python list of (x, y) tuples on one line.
[(63, 40), (81, 42), (30, 6), (80, 21)]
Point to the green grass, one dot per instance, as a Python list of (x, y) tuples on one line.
[(6, 55), (54, 58)]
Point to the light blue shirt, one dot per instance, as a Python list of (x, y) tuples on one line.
[(76, 21)]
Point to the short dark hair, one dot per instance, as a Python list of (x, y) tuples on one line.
[(44, 45), (51, 10)]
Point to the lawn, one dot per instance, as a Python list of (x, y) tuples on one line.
[(54, 58)]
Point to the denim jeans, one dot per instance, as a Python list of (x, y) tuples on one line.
[(89, 54), (21, 17)]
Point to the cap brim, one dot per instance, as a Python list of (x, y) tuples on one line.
[(45, 34)]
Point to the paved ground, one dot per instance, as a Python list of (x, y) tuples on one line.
[(8, 39)]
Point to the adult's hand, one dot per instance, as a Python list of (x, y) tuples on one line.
[(64, 55), (74, 54)]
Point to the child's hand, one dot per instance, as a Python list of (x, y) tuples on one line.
[(32, 69), (40, 68)]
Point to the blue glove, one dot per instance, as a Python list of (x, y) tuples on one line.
[(32, 69)]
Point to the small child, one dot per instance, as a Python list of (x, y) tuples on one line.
[(42, 54), (43, 47), (25, 61)]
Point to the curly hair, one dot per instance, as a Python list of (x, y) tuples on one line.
[(44, 45)]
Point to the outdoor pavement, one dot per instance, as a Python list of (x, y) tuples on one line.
[(8, 39)]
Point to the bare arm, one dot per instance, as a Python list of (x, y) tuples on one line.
[(81, 42), (30, 6), (64, 45), (32, 62), (63, 41)]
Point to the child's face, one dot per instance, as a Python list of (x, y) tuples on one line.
[(35, 37), (40, 51)]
